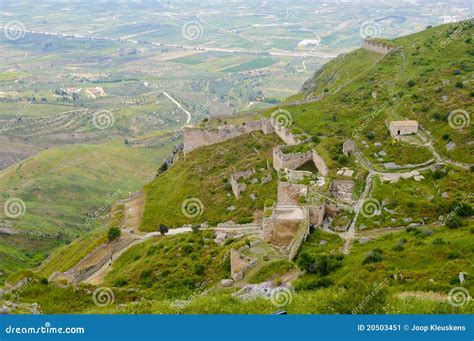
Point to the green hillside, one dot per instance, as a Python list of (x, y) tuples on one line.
[(421, 80), (61, 188), (406, 258), (203, 178)]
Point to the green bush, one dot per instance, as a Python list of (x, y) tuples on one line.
[(114, 233), (374, 256)]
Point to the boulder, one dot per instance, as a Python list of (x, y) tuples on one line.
[(227, 282)]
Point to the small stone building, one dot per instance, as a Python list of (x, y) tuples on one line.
[(400, 128)]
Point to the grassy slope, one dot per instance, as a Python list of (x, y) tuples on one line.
[(420, 59), (421, 201), (173, 266), (60, 187), (201, 175)]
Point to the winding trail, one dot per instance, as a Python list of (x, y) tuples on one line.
[(179, 106)]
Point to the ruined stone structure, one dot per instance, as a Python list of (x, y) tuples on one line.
[(295, 160), (374, 46), (240, 264), (342, 189), (195, 137), (400, 128), (237, 187), (287, 137), (348, 148), (288, 194)]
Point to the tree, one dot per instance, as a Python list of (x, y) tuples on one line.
[(114, 233)]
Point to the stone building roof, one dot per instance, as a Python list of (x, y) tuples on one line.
[(407, 123)]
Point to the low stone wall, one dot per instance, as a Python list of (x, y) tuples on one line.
[(377, 47)]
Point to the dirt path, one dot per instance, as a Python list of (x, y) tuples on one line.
[(179, 106)]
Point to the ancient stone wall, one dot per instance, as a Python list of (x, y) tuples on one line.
[(198, 137), (316, 214), (376, 47), (319, 163), (240, 264), (295, 160), (348, 147)]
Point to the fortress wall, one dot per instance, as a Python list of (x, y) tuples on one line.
[(300, 237), (376, 47), (197, 137), (290, 161), (287, 137), (320, 164)]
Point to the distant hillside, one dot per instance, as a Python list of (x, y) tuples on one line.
[(425, 78)]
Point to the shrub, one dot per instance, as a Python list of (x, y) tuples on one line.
[(370, 135), (373, 256), (439, 241), (312, 283), (439, 174), (459, 85), (199, 269), (411, 83), (120, 282), (445, 136), (453, 222), (321, 264), (463, 210), (114, 233)]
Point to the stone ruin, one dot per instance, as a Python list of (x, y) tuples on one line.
[(342, 189), (195, 137), (374, 46), (348, 148), (294, 160), (240, 264), (237, 187)]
